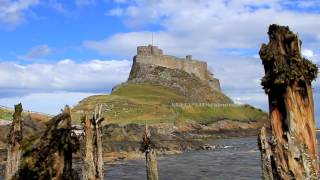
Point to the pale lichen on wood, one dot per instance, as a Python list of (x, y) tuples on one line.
[(291, 152)]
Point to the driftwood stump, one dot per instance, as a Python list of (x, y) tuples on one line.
[(14, 143), (49, 155), (147, 147), (291, 152), (93, 168)]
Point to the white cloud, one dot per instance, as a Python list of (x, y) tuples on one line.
[(307, 53), (205, 26), (12, 12), (65, 75), (49, 103), (115, 45), (48, 87)]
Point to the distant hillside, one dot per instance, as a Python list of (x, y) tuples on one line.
[(6, 114), (141, 103)]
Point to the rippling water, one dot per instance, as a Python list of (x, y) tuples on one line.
[(239, 160)]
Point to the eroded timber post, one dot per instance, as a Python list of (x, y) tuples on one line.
[(93, 160), (48, 155), (14, 142), (291, 152), (147, 147)]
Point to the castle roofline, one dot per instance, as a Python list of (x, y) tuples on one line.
[(151, 50)]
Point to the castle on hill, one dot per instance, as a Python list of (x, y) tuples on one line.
[(154, 56)]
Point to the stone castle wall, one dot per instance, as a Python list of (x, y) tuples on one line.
[(154, 55)]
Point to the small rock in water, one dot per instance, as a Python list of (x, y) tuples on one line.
[(208, 147)]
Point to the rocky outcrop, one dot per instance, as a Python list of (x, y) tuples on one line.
[(186, 84), (190, 78), (124, 141)]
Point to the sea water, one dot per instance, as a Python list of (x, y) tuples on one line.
[(238, 159)]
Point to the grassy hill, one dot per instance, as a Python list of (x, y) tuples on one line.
[(5, 114), (140, 103)]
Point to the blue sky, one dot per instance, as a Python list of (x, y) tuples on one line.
[(58, 52)]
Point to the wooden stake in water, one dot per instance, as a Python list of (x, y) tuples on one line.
[(147, 147)]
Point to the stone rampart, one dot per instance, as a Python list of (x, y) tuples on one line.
[(212, 105), (154, 55)]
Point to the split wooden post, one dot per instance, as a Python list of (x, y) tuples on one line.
[(14, 142), (291, 152), (147, 147), (266, 154), (50, 155), (93, 168), (66, 151)]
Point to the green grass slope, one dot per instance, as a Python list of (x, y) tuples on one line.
[(141, 103), (5, 114), (207, 115)]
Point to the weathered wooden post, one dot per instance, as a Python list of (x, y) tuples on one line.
[(66, 151), (147, 147), (291, 152), (14, 142), (49, 155), (93, 168), (88, 171)]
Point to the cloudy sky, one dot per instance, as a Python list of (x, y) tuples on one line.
[(57, 52)]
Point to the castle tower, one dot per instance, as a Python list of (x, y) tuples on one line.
[(153, 55)]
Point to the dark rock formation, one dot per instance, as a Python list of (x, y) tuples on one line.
[(170, 138)]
